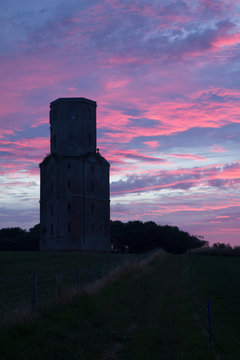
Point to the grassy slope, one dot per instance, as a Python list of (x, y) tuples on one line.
[(16, 273), (145, 314)]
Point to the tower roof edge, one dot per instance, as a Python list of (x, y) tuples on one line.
[(73, 100)]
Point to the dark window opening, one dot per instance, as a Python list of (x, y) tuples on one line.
[(92, 186), (69, 207), (69, 165), (51, 209), (51, 170), (69, 184), (51, 229), (69, 227), (92, 169), (54, 141), (89, 113), (92, 208), (89, 139), (51, 188), (92, 228), (72, 112)]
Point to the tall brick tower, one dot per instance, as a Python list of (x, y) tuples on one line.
[(74, 178)]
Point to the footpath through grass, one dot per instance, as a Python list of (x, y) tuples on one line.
[(146, 313)]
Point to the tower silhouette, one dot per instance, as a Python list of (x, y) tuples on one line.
[(74, 181)]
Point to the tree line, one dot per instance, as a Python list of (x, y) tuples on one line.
[(133, 236), (138, 236), (220, 249), (16, 239)]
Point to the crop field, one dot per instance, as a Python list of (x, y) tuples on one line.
[(152, 309)]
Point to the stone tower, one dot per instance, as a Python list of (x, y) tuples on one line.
[(74, 178)]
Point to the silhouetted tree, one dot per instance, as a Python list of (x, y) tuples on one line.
[(118, 236), (221, 246), (34, 237), (133, 236), (16, 238), (136, 236)]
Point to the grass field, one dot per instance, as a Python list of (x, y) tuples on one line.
[(16, 269), (217, 278), (151, 310)]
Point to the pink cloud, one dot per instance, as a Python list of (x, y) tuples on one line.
[(158, 11), (23, 155), (217, 149), (154, 187), (4, 132), (121, 60), (152, 144), (40, 121), (187, 156), (236, 230), (227, 40), (116, 84), (231, 172), (213, 4), (216, 177), (35, 143), (222, 217), (131, 154)]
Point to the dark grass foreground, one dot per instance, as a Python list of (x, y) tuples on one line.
[(217, 278), (16, 274), (143, 312)]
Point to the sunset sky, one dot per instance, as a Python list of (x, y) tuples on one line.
[(166, 78)]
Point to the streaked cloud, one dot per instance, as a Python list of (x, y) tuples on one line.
[(225, 176)]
